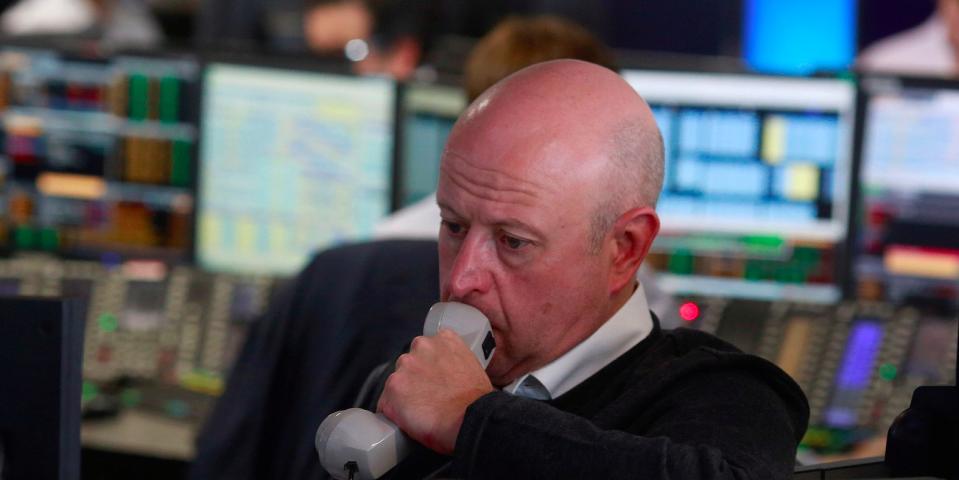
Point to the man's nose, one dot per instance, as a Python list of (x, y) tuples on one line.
[(470, 273)]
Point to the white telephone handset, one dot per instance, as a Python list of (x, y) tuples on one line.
[(359, 444)]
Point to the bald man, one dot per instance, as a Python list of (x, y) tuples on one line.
[(547, 191)]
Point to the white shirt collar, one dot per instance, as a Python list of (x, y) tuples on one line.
[(629, 326)]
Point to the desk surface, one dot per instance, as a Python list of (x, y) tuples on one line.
[(141, 433)]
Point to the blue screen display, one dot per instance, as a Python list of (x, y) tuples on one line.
[(799, 37)]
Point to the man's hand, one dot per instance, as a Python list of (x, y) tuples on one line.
[(432, 386)]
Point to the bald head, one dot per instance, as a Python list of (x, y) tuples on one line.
[(572, 120)]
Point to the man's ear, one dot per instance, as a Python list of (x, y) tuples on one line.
[(633, 234)]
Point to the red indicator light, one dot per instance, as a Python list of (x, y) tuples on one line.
[(689, 311)]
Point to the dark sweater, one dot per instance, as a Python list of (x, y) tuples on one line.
[(681, 404)]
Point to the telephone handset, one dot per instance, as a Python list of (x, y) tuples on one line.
[(359, 444)]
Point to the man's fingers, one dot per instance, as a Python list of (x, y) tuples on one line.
[(402, 362), (417, 343)]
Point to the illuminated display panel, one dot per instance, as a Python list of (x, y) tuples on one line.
[(855, 373), (756, 192), (429, 112), (97, 153), (292, 162), (908, 246)]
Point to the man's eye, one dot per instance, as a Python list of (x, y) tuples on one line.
[(514, 243), (454, 228)]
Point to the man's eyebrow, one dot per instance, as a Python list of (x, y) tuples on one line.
[(508, 222), (447, 208), (512, 222)]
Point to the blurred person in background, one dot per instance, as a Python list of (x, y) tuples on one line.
[(518, 42), (115, 24), (380, 37), (932, 48)]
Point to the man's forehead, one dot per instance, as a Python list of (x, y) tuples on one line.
[(516, 177), (541, 152), (534, 119)]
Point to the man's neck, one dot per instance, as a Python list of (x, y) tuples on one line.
[(617, 300)]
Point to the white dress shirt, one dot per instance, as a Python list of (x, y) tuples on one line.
[(624, 330)]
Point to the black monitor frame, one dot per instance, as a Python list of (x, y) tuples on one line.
[(41, 353)]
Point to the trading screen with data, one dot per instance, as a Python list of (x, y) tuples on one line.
[(908, 246), (292, 161), (756, 194)]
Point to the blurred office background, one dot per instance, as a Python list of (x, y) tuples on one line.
[(177, 162)]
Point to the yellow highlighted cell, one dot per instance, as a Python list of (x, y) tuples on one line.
[(922, 263), (245, 235), (211, 230), (71, 185), (802, 182), (279, 237), (774, 140)]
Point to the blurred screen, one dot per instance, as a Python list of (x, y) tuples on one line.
[(97, 153), (757, 184), (292, 161), (429, 112), (909, 243)]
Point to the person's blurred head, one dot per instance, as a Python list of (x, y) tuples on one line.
[(949, 12), (518, 42), (380, 37), (329, 25)]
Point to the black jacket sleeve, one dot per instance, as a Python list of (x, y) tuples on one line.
[(721, 425), (230, 443), (352, 308)]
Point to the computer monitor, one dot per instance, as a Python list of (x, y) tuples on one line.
[(97, 153), (41, 345), (908, 244), (428, 112), (757, 185), (292, 160)]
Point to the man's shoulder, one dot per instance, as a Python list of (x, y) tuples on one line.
[(681, 354), (672, 367), (686, 349), (685, 340), (684, 355)]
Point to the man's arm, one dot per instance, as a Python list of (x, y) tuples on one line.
[(714, 426)]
